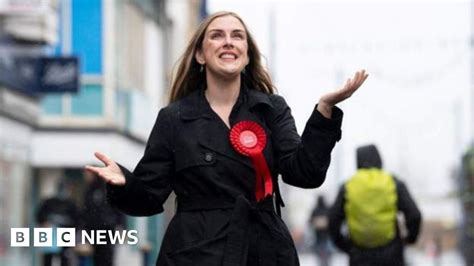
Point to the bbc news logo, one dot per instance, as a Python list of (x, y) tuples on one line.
[(66, 237)]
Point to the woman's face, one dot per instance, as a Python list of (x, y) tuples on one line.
[(224, 47)]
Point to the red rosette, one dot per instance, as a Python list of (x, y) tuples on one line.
[(249, 139)]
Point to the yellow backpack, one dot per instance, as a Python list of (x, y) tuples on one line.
[(371, 207)]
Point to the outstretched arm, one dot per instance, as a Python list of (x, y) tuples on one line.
[(143, 192), (110, 172), (303, 162), (329, 100)]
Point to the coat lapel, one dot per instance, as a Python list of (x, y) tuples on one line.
[(212, 133)]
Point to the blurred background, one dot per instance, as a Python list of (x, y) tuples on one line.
[(79, 76)]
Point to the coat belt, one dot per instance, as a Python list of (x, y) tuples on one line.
[(236, 246)]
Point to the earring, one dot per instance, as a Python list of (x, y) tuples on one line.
[(244, 71), (201, 69)]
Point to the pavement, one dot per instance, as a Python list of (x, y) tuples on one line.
[(413, 257), (125, 256)]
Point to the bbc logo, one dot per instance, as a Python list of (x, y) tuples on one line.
[(43, 237)]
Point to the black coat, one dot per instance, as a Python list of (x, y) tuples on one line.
[(218, 221), (97, 214)]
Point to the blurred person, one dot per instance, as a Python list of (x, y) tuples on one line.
[(369, 202), (466, 192), (97, 214), (220, 145), (433, 248), (58, 211), (319, 221)]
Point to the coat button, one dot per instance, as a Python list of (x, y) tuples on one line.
[(208, 157)]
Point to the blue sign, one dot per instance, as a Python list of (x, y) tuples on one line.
[(58, 75), (37, 75)]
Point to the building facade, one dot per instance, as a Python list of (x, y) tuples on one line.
[(125, 51)]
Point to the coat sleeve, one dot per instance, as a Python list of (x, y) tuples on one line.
[(410, 211), (336, 219), (303, 161), (148, 186)]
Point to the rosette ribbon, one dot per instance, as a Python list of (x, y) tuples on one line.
[(248, 138)]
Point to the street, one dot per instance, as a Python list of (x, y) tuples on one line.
[(413, 257)]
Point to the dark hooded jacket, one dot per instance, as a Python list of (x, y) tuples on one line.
[(59, 210), (321, 232), (218, 221), (391, 253)]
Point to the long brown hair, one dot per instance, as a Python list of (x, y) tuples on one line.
[(190, 77)]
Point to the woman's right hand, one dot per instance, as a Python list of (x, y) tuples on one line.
[(110, 173)]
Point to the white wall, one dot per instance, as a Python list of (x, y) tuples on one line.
[(155, 78), (179, 13), (76, 149)]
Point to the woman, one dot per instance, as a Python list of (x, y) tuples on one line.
[(223, 182)]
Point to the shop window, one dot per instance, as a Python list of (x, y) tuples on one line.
[(89, 101), (52, 104)]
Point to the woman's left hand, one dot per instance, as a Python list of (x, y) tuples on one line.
[(329, 100)]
